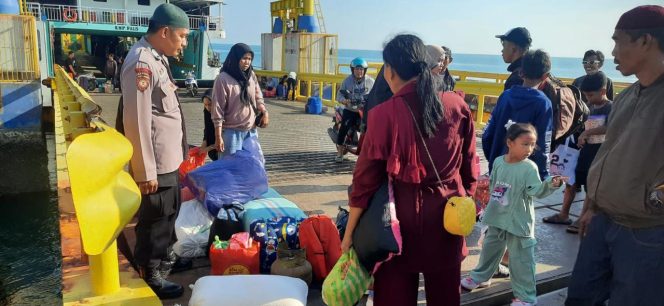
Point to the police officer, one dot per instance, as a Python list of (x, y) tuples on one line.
[(154, 124)]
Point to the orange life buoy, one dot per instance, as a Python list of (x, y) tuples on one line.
[(69, 14)]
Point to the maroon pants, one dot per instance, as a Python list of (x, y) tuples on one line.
[(395, 285)]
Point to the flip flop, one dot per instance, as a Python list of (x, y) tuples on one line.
[(555, 219), (573, 228)]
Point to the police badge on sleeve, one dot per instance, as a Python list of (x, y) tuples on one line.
[(143, 76)]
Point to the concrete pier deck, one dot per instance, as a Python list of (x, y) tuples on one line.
[(299, 161)]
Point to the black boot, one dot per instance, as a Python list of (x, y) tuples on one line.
[(162, 287), (173, 264)]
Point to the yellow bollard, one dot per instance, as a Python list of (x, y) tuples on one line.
[(104, 271), (105, 198)]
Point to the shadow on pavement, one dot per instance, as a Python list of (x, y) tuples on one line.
[(297, 189)]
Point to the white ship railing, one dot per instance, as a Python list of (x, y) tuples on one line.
[(67, 13)]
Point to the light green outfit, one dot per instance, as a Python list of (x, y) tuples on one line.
[(510, 216)]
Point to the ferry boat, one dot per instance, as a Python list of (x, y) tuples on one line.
[(94, 28)]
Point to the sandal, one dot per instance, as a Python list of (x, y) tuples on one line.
[(502, 272), (573, 228), (556, 219)]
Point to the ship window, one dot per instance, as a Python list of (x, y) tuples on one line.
[(99, 0), (144, 2)]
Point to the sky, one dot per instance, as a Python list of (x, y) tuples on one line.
[(563, 28)]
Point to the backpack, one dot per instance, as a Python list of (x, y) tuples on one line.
[(569, 110), (320, 238)]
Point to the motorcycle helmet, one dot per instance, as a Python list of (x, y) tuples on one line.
[(359, 62)]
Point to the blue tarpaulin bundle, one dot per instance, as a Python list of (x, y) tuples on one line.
[(234, 179)]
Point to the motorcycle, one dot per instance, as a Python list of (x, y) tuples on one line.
[(87, 81), (352, 139), (190, 83)]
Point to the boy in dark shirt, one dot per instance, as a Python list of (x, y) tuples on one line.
[(522, 104), (593, 88)]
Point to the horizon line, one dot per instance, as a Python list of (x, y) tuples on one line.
[(464, 53)]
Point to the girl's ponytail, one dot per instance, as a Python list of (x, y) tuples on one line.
[(406, 55), (432, 108)]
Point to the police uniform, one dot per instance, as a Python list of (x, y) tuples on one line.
[(154, 124)]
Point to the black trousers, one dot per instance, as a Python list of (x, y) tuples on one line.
[(155, 230), (291, 86), (348, 119)]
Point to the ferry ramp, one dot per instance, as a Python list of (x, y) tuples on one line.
[(300, 164)]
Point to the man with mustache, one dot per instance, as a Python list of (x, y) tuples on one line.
[(622, 227)]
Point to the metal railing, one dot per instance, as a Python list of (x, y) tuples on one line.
[(19, 61), (216, 23), (67, 13), (486, 87)]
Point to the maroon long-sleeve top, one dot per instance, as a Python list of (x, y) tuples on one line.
[(393, 147)]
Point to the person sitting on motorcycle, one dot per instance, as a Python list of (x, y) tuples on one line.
[(359, 85)]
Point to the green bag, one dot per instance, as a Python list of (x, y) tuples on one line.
[(347, 282)]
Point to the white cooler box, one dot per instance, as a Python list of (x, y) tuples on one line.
[(249, 290)]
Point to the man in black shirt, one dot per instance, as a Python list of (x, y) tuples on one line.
[(70, 64), (516, 43)]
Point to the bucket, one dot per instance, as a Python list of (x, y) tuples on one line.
[(314, 106)]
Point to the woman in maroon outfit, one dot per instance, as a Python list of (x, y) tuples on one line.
[(393, 147)]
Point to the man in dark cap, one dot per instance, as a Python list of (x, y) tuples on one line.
[(622, 248), (154, 124), (516, 43)]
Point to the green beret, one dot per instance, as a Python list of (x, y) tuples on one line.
[(170, 15)]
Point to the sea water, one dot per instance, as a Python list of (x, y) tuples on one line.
[(564, 67), (30, 260), (30, 254)]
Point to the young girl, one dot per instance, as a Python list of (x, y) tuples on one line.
[(510, 216)]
